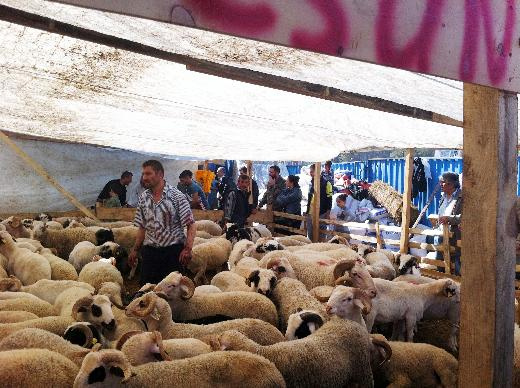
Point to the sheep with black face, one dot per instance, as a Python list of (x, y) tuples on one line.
[(84, 251)]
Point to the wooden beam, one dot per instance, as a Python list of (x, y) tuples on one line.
[(407, 202), (316, 203), (446, 250), (488, 238), (13, 15), (45, 175)]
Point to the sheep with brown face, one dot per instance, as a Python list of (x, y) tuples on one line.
[(14, 226), (349, 303), (156, 313), (179, 292), (27, 266), (109, 368), (335, 355), (143, 347)]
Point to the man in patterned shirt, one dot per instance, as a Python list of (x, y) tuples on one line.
[(161, 215)]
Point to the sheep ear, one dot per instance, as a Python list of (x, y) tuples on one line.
[(155, 314)]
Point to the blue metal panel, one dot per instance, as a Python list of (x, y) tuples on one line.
[(293, 170)]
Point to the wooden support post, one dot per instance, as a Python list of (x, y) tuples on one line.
[(407, 201), (45, 175), (316, 203), (378, 236), (488, 237), (446, 251)]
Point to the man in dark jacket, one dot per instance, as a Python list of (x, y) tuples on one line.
[(275, 186), (254, 189), (118, 186), (237, 209), (325, 199), (225, 186)]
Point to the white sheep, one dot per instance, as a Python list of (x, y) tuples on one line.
[(27, 266), (47, 290), (229, 281), (16, 316), (179, 291), (263, 246), (208, 256), (234, 233), (144, 347), (96, 273), (157, 315), (293, 240), (378, 263), (84, 251), (238, 252), (31, 304), (349, 303), (60, 269), (209, 226), (216, 369)]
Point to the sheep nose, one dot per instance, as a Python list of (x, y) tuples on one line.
[(111, 325), (373, 293)]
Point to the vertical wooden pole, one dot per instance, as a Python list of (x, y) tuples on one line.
[(378, 236), (446, 251), (316, 203), (488, 237), (250, 173), (407, 201)]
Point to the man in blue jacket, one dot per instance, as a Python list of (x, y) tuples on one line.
[(192, 191)]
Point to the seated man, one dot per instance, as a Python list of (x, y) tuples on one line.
[(192, 191), (119, 187)]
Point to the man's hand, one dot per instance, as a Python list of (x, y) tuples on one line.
[(444, 220), (132, 258), (185, 256)]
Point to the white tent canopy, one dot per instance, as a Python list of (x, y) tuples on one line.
[(76, 91)]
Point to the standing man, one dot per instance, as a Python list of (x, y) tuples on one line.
[(275, 186), (237, 209), (254, 190), (161, 215), (118, 186), (328, 173), (225, 185), (192, 191), (325, 199)]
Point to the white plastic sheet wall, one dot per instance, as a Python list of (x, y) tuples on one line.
[(81, 169)]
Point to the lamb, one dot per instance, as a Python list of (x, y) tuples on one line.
[(306, 362), (27, 266), (96, 273), (47, 290), (32, 338), (34, 305), (32, 368), (13, 225), (412, 364), (219, 369), (16, 316), (144, 347), (60, 269), (293, 240), (442, 308), (54, 225), (252, 233), (157, 315), (229, 281), (208, 256), (394, 301), (289, 295), (302, 323), (262, 246), (407, 265), (84, 251), (238, 252), (349, 303), (260, 280), (208, 226), (179, 291)]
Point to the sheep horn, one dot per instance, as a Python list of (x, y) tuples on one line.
[(186, 281), (121, 341), (117, 360), (151, 298), (363, 297), (10, 284), (82, 302), (386, 347), (343, 266), (158, 338), (82, 328)]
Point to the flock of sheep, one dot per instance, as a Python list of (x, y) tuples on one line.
[(263, 312)]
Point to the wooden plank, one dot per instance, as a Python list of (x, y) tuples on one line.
[(439, 275), (303, 232), (407, 34), (316, 203), (361, 225), (407, 202), (290, 216), (115, 213), (446, 250), (213, 215), (38, 168), (74, 213), (330, 93), (428, 247), (264, 217), (488, 241), (438, 263)]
